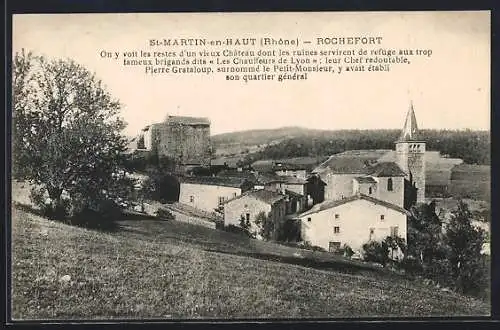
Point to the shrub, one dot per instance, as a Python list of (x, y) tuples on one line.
[(164, 214), (265, 226), (410, 266), (237, 230), (376, 252), (100, 214), (347, 251), (307, 246), (440, 272), (244, 223), (52, 209)]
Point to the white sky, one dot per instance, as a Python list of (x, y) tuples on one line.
[(449, 90)]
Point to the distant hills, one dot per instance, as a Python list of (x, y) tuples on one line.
[(263, 136), (471, 146)]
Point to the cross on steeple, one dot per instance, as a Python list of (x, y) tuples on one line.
[(410, 128)]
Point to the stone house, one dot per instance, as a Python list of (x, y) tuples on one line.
[(354, 221), (249, 205), (210, 193)]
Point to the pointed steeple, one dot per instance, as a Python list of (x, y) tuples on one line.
[(410, 128)]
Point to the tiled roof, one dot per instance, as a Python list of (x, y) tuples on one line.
[(269, 197), (265, 178), (187, 120), (334, 203), (289, 167), (303, 163), (365, 179), (292, 193), (229, 161), (343, 165), (386, 169), (364, 153), (215, 181), (237, 174), (293, 180)]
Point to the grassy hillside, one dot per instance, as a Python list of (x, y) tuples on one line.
[(159, 269)]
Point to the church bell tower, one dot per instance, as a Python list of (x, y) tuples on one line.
[(410, 154)]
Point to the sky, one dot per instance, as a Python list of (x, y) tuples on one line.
[(449, 90)]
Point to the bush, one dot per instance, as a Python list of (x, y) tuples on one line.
[(237, 230), (164, 214), (376, 252), (100, 214), (411, 266), (346, 251), (49, 208), (307, 246), (440, 272)]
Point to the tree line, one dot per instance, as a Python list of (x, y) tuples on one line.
[(471, 146)]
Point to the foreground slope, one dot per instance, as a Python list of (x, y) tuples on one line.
[(67, 272)]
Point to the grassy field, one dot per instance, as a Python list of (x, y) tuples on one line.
[(471, 181), (174, 270)]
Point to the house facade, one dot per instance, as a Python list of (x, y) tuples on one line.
[(210, 193), (354, 221), (249, 205)]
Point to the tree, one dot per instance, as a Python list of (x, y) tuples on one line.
[(465, 242), (265, 225), (425, 235), (66, 132), (245, 223)]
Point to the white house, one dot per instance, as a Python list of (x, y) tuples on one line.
[(354, 221), (210, 193)]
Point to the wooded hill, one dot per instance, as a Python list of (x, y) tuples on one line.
[(471, 146)]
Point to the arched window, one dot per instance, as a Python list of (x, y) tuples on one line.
[(389, 184), (369, 190)]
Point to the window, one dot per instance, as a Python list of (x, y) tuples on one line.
[(234, 194), (394, 231), (191, 199), (382, 217), (337, 216), (333, 246), (389, 184), (308, 219), (369, 190), (336, 230), (247, 216), (221, 200)]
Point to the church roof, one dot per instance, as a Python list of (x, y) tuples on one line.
[(343, 165), (386, 169), (410, 128)]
